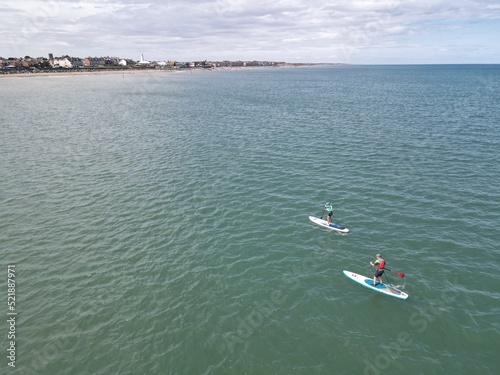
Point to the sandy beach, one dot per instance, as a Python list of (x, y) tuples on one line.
[(69, 72), (96, 72)]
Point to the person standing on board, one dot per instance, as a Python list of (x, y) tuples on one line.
[(329, 208), (380, 264)]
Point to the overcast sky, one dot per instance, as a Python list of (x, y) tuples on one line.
[(336, 31)]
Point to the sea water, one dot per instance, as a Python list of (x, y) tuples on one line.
[(158, 223)]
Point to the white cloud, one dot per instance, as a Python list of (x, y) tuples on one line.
[(316, 30)]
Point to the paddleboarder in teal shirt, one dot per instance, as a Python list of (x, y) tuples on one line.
[(380, 264), (329, 208)]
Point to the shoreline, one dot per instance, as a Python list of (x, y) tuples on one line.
[(68, 72)]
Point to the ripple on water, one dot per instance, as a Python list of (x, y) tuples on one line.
[(151, 226)]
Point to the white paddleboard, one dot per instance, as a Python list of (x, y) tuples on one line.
[(325, 224), (381, 288)]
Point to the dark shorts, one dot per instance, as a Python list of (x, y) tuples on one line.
[(330, 214), (379, 273)]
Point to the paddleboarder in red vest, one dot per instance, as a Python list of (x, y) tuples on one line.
[(380, 264)]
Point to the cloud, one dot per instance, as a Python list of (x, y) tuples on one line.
[(316, 30)]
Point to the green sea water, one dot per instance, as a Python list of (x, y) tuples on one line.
[(158, 223)]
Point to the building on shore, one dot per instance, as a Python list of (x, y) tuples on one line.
[(67, 62)]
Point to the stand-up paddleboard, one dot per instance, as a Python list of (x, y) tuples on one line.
[(381, 288), (325, 224)]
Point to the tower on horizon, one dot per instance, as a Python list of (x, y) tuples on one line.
[(142, 61)]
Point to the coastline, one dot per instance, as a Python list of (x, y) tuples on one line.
[(70, 72), (64, 73)]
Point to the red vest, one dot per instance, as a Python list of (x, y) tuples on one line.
[(381, 265)]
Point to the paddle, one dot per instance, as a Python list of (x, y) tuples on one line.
[(400, 274)]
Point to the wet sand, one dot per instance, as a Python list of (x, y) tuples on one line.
[(96, 72)]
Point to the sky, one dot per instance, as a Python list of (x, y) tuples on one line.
[(314, 31)]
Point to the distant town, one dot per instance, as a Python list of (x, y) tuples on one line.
[(52, 64)]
